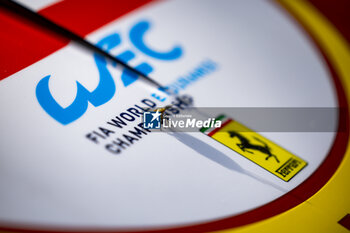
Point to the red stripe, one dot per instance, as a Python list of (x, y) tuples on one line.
[(85, 16), (337, 13), (217, 129), (345, 221), (24, 43)]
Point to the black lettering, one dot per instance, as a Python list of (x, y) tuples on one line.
[(138, 132), (142, 109), (124, 115), (92, 137), (113, 149), (120, 143), (117, 123), (172, 110), (129, 138), (105, 131), (98, 134), (149, 103), (135, 112), (182, 103)]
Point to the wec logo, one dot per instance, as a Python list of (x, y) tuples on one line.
[(106, 88)]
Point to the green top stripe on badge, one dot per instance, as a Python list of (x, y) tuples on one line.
[(220, 117)]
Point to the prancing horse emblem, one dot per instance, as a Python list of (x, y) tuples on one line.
[(245, 144)]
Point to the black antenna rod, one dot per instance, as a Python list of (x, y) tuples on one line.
[(48, 24)]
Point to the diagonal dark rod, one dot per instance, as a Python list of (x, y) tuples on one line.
[(48, 24)]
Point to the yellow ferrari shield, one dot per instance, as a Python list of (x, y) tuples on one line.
[(256, 148)]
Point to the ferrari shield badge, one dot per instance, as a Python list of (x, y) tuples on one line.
[(256, 148)]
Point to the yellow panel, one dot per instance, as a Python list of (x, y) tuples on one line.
[(259, 150)]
